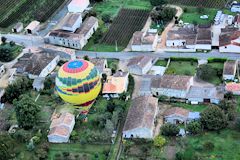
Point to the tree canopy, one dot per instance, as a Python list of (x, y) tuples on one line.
[(7, 147), (206, 72), (158, 2), (26, 111), (169, 129)]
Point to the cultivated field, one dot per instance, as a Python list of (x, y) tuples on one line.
[(26, 10), (124, 25), (203, 3)]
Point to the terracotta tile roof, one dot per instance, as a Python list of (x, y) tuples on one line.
[(229, 68), (177, 111), (60, 131), (142, 113), (64, 119), (232, 87), (140, 61), (204, 35), (178, 82), (71, 19), (228, 35), (87, 25)]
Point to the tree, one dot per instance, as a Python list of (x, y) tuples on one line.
[(213, 118), (48, 83), (158, 2), (12, 43), (3, 39), (106, 18), (159, 141), (206, 72), (164, 14), (7, 147), (109, 127), (169, 129), (194, 127), (14, 90), (26, 111), (86, 58), (238, 123)]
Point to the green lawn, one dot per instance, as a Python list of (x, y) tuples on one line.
[(182, 68), (193, 16), (112, 7), (217, 66), (14, 50), (161, 63), (89, 150), (101, 47), (193, 108), (112, 63), (226, 145)]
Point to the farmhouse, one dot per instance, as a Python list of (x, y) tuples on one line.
[(61, 128), (116, 84), (145, 41), (35, 65), (77, 39), (204, 95), (204, 38), (101, 65), (72, 22), (182, 37), (18, 27), (178, 115), (140, 65), (235, 7), (233, 88), (229, 40), (229, 70), (2, 70), (171, 86), (77, 6), (141, 117), (33, 27)]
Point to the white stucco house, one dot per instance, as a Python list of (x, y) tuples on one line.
[(38, 83), (77, 39), (18, 27), (144, 41), (141, 117), (177, 115), (235, 7), (230, 70), (61, 128), (176, 86), (72, 22), (34, 65), (140, 65), (2, 70), (229, 40), (78, 6)]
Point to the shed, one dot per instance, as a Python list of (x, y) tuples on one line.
[(18, 27), (33, 27)]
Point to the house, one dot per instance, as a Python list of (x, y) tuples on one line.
[(229, 70), (101, 65), (78, 6), (204, 38), (182, 37), (229, 40), (77, 39), (2, 70), (116, 84), (204, 95), (235, 7), (33, 27), (38, 83), (145, 41), (177, 115), (72, 22), (18, 27), (233, 88), (141, 117), (176, 86), (38, 64), (61, 128), (145, 86), (140, 65)]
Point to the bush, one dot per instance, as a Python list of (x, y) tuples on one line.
[(185, 9), (194, 127), (208, 146), (169, 129), (183, 59), (159, 141), (210, 60)]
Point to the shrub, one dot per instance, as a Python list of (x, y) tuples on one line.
[(210, 60), (183, 59), (238, 123), (194, 127), (169, 129), (208, 146), (159, 141)]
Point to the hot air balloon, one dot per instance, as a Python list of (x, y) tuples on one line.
[(78, 82)]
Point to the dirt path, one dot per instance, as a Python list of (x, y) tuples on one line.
[(162, 45)]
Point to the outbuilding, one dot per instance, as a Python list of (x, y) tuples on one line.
[(18, 27), (33, 27), (78, 6)]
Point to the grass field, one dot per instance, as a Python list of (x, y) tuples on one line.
[(161, 63), (112, 7), (182, 68), (226, 145), (193, 108), (217, 66)]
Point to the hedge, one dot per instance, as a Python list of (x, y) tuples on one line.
[(211, 60), (183, 59)]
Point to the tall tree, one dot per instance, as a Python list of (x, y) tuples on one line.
[(158, 2), (213, 118), (6, 147), (3, 39), (26, 111), (206, 72)]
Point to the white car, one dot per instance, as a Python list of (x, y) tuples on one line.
[(204, 17)]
